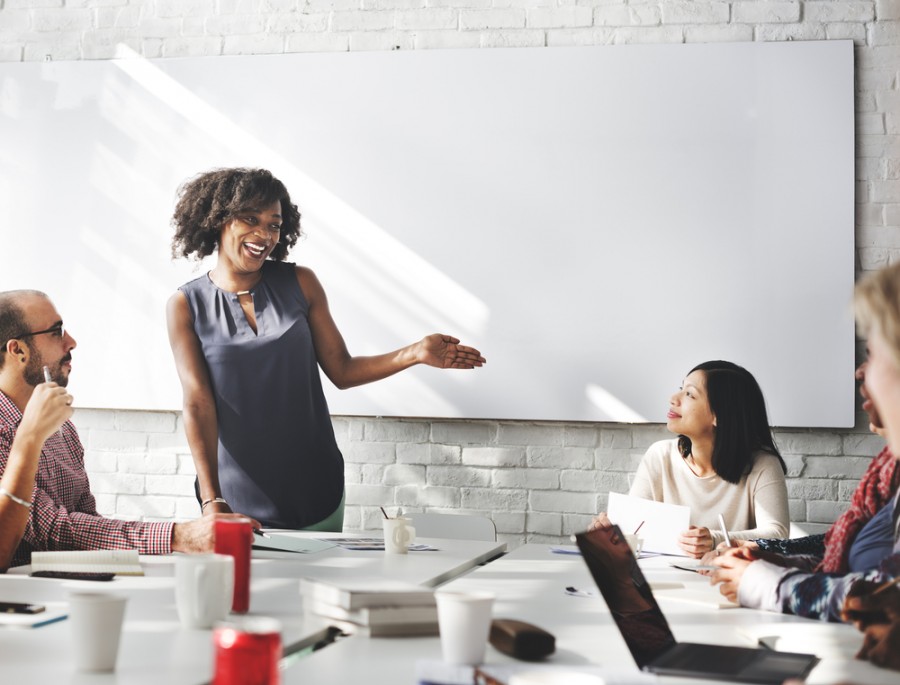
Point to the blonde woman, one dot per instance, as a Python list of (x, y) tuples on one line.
[(757, 579)]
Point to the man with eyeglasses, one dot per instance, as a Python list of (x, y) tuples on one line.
[(45, 498)]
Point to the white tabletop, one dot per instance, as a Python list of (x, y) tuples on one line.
[(529, 585), (155, 649)]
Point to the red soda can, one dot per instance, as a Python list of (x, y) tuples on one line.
[(235, 538), (248, 649)]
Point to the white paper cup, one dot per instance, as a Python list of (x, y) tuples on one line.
[(635, 543), (204, 586), (464, 620), (399, 534), (96, 625)]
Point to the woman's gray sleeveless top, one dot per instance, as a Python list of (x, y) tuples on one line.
[(278, 459)]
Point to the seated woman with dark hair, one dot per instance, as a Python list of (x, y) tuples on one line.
[(724, 460)]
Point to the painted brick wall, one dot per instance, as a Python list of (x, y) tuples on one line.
[(538, 481)]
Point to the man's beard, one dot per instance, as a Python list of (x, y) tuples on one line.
[(34, 371)]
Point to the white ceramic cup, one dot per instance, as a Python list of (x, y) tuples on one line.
[(204, 585), (399, 534), (96, 625), (465, 622)]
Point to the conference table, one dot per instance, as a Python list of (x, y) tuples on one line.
[(155, 649), (530, 584)]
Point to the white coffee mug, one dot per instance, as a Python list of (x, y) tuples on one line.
[(204, 584), (398, 535)]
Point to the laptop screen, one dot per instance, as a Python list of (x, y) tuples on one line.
[(627, 593)]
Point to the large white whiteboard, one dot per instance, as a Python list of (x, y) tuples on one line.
[(596, 220)]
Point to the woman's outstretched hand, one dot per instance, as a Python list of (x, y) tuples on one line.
[(445, 352)]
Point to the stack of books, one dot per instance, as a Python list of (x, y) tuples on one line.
[(374, 608)]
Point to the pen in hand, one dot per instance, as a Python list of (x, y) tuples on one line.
[(257, 531), (885, 586), (49, 379), (724, 530)]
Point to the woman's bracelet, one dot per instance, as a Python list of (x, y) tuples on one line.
[(209, 501), (18, 500)]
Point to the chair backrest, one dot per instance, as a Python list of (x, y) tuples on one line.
[(456, 526), (802, 529)]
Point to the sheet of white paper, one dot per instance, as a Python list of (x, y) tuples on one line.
[(286, 543), (661, 522)]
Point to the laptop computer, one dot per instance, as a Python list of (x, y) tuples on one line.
[(647, 633)]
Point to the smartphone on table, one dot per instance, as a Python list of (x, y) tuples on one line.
[(20, 608)]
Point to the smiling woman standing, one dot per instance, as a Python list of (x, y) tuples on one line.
[(248, 338), (724, 460)]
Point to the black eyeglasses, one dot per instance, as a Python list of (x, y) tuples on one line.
[(58, 330)]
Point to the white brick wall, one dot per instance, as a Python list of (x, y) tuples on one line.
[(539, 482)]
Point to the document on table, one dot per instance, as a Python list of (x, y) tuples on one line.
[(374, 544), (287, 543), (709, 597), (825, 640), (662, 523)]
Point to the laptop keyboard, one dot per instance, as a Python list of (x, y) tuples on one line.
[(701, 658)]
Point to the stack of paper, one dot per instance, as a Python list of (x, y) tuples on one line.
[(376, 608)]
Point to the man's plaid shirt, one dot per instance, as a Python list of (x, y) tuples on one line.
[(64, 512)]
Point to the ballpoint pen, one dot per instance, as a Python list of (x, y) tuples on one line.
[(724, 530), (885, 586)]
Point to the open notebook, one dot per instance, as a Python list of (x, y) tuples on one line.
[(122, 562)]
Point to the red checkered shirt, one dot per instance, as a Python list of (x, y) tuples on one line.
[(64, 514)]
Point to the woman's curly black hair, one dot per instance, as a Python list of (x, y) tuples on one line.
[(209, 200)]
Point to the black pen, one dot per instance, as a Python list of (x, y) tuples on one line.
[(575, 592), (258, 531)]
